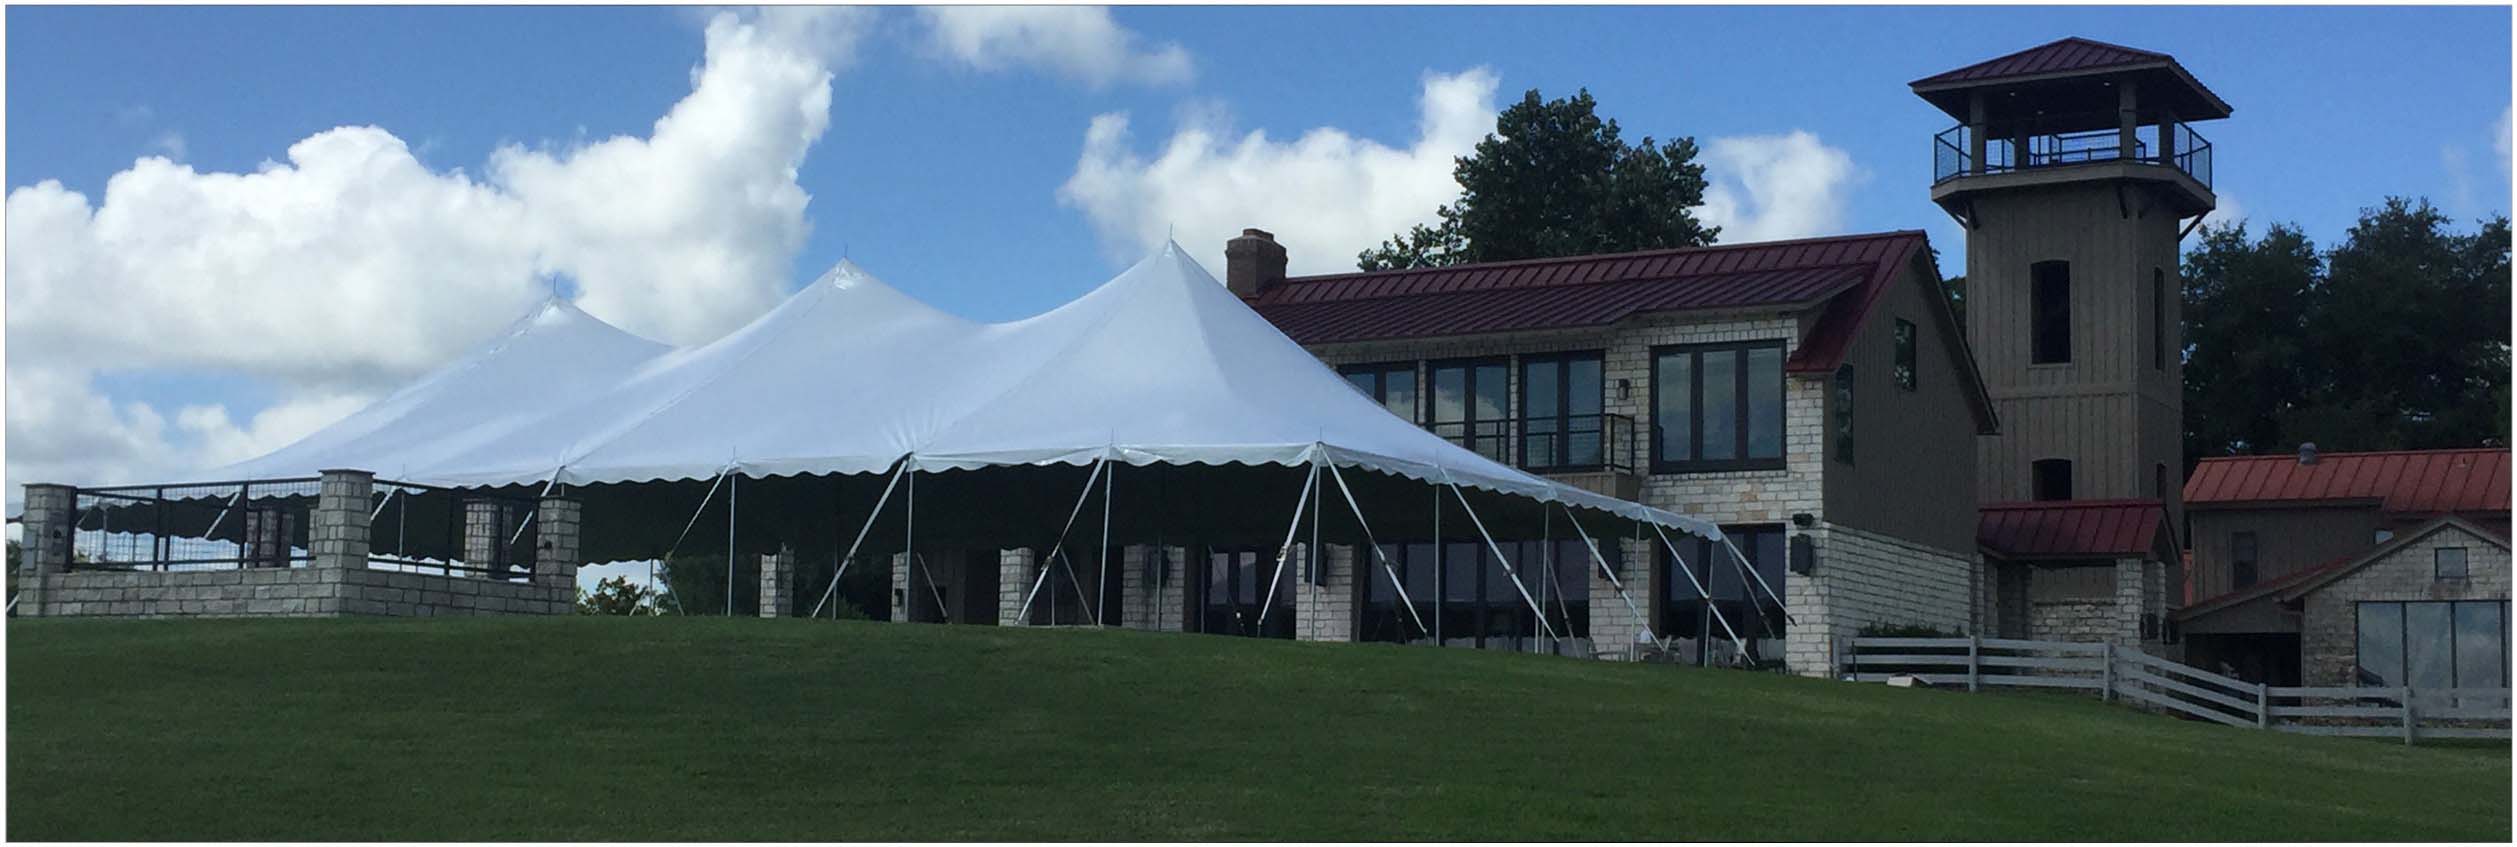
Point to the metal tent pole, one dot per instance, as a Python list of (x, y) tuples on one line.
[(1059, 548), (687, 526), (1440, 574), (733, 489), (1397, 585), (1699, 589), (909, 534), (1101, 599), (1285, 549), (899, 470), (1506, 561), (1611, 573), (1779, 605), (1314, 560)]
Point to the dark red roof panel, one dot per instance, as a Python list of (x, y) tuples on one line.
[(1547, 306), (2065, 56), (2406, 482), (2070, 528)]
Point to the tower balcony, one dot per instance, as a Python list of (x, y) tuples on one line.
[(2071, 148)]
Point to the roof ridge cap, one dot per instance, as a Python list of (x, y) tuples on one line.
[(1663, 251), (2322, 455)]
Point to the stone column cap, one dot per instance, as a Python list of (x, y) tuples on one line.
[(331, 471)]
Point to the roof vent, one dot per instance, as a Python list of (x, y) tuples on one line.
[(2307, 453)]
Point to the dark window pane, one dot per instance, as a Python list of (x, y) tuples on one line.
[(1721, 404), (1399, 392), (2050, 312), (2428, 648), (1499, 587), (2381, 644), (1367, 382), (1490, 392), (1583, 392), (2241, 560), (1539, 388), (1844, 414), (1673, 405), (1420, 573), (2052, 478), (2449, 562), (1459, 572), (2481, 645), (1383, 593), (1450, 395), (1574, 569), (1765, 403)]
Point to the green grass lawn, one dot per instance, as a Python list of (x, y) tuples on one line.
[(692, 728)]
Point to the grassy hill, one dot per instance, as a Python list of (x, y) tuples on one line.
[(582, 728)]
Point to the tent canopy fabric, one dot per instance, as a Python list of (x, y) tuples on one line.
[(1160, 366)]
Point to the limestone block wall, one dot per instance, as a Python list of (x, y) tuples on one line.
[(1015, 573), (1865, 578), (1324, 612), (1154, 606), (2329, 623), (2114, 617)]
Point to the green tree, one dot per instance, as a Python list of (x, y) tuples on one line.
[(2398, 339), (1554, 179), (617, 596)]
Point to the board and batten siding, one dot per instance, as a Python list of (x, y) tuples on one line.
[(1913, 469), (2287, 541), (2108, 410)]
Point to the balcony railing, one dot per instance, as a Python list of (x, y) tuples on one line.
[(1952, 156), (1559, 444)]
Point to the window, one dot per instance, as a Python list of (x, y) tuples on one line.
[(2448, 562), (2049, 316), (1736, 593), (1393, 385), (2052, 478), (2158, 482), (2241, 560), (2158, 319), (2433, 644), (1561, 396), (1717, 407), (1844, 413), (1905, 354), (1469, 405), (1234, 594)]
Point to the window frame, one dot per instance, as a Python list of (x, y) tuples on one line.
[(2040, 335), (1908, 364), (2403, 640), (1380, 371), (2036, 479), (2248, 567), (1741, 461), (2438, 564), (1562, 361), (1470, 439)]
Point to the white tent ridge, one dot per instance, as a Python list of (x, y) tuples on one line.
[(1159, 366)]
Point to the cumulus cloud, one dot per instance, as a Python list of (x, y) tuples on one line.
[(1079, 42), (2227, 212), (1326, 194), (351, 266), (1767, 187)]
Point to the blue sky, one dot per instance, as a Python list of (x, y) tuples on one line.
[(944, 175)]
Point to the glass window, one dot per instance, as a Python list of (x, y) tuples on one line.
[(1469, 406), (2381, 644), (2429, 660), (2052, 478), (1844, 413), (2049, 328), (1905, 377), (2241, 560), (1718, 407), (2481, 645), (2449, 562), (1561, 397), (1393, 385)]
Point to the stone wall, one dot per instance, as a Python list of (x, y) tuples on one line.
[(1324, 612), (1156, 606), (1014, 575), (1865, 578), (2329, 624)]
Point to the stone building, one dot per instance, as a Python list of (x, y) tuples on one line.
[(2351, 568)]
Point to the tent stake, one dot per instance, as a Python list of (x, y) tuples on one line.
[(1397, 585), (1286, 549), (1506, 561), (1699, 589), (850, 557)]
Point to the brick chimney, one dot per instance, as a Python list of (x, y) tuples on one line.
[(1253, 262)]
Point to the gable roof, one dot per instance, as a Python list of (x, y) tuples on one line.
[(1843, 276), (2318, 577), (2415, 482), (2069, 529)]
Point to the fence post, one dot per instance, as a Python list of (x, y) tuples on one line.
[(47, 531), (2106, 671), (2410, 718), (2263, 706), (1974, 662)]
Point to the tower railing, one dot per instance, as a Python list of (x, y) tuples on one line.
[(2065, 140)]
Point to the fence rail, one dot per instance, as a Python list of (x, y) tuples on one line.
[(2136, 677), (192, 526), (426, 529)]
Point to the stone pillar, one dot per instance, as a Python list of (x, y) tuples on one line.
[(559, 544), (777, 582), (1325, 612), (485, 532), (45, 530), (899, 588), (1013, 583), (340, 536)]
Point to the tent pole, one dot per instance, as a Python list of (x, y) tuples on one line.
[(1286, 549), (1397, 585), (931, 590), (1101, 599), (733, 489), (1059, 548), (1547, 570), (909, 533), (1440, 549), (1508, 569), (1742, 560), (686, 528), (1316, 560), (849, 558), (1699, 589), (1611, 573)]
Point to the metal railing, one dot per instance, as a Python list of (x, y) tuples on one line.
[(418, 528), (2064, 140), (1556, 444), (203, 526), (2179, 689)]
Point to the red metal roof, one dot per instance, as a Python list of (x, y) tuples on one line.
[(2064, 56), (2070, 528), (1588, 291), (2414, 482)]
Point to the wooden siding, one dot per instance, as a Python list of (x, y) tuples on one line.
[(2117, 418), (2286, 541), (1913, 470)]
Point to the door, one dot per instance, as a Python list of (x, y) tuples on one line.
[(1234, 593)]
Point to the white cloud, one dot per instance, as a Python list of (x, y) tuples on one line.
[(170, 143), (1767, 187), (1079, 42), (2227, 212), (351, 266), (1326, 195)]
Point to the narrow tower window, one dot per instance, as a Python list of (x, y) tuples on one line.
[(1905, 354), (2158, 319), (2053, 478), (2049, 323)]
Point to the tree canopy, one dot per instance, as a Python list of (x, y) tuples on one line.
[(1554, 179), (2397, 339)]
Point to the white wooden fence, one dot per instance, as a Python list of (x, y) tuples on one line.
[(2146, 680)]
